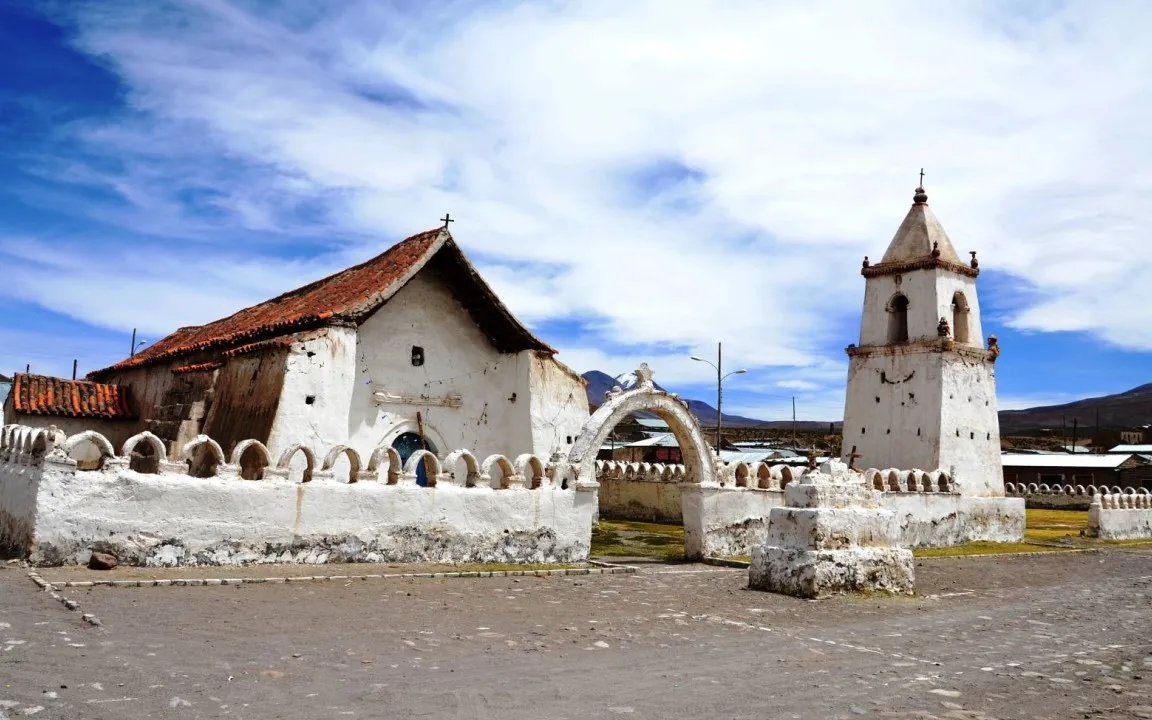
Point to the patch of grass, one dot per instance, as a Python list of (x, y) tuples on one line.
[(1055, 525), (624, 538), (981, 548)]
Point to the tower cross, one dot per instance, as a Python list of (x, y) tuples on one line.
[(921, 177), (447, 219)]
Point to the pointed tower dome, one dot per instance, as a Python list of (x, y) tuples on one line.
[(920, 243)]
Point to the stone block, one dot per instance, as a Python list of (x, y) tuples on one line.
[(832, 528), (822, 573)]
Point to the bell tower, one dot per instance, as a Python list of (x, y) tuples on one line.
[(921, 383)]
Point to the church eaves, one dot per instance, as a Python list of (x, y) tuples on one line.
[(919, 243), (347, 297)]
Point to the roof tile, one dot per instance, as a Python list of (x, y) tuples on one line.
[(43, 395)]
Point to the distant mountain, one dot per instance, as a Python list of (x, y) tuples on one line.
[(1131, 408), (601, 382)]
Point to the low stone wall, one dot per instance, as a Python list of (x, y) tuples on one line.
[(731, 517), (495, 511), (1054, 497), (1121, 516), (945, 519), (639, 491)]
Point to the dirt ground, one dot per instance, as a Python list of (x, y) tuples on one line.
[(1064, 635)]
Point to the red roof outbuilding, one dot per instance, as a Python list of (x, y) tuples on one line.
[(42, 395)]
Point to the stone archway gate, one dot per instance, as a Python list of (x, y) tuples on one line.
[(699, 462)]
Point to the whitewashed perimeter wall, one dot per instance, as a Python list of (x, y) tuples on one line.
[(1121, 516), (734, 513), (497, 510)]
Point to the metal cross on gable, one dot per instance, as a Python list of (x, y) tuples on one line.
[(447, 219)]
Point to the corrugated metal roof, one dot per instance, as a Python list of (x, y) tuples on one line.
[(652, 422), (1131, 449), (1064, 460)]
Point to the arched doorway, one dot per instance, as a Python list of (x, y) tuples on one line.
[(407, 443), (699, 463)]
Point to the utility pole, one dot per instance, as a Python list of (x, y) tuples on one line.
[(719, 396), (74, 364), (1075, 421), (133, 353), (793, 421), (720, 378)]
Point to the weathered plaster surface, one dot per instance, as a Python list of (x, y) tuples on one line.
[(55, 514), (507, 402), (1121, 517), (640, 499), (831, 537), (178, 520)]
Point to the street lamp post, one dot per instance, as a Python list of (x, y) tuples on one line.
[(720, 378)]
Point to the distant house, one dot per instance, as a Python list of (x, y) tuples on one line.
[(1130, 449), (1136, 436), (1123, 470)]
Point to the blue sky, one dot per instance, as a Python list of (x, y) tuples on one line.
[(637, 181)]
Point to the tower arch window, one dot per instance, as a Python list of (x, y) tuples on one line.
[(960, 317), (898, 319)]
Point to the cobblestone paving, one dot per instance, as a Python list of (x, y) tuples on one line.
[(1036, 637)]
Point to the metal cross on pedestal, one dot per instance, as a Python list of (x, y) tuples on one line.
[(812, 459), (446, 219), (852, 458)]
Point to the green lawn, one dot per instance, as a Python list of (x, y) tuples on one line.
[(1065, 528), (624, 538)]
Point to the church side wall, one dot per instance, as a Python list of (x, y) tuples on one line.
[(559, 405), (170, 405), (316, 393), (246, 395)]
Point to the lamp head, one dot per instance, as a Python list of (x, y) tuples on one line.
[(697, 359)]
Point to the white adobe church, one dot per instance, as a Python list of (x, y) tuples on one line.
[(921, 383), (410, 349)]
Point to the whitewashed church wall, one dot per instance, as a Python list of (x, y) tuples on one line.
[(323, 370), (559, 406), (495, 403)]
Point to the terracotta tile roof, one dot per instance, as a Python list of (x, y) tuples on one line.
[(42, 395), (196, 367), (349, 296)]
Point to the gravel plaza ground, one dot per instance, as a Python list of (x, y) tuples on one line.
[(1058, 635)]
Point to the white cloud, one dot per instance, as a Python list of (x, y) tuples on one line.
[(803, 125)]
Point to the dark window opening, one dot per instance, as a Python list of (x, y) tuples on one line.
[(569, 439), (309, 399), (417, 356), (898, 320), (862, 430)]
